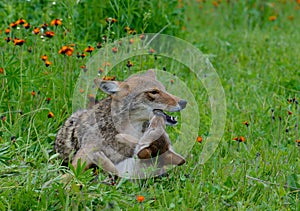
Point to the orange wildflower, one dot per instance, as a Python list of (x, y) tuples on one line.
[(100, 70), (111, 20), (240, 139), (99, 45), (129, 64), (26, 25), (132, 31), (151, 51), (172, 81), (36, 30), (246, 123), (126, 28), (83, 67), (19, 42), (48, 63), (290, 113), (131, 41), (1, 70), (140, 198), (44, 57), (91, 96), (7, 39), (142, 36), (49, 34), (3, 118), (81, 90), (44, 26), (13, 25), (89, 49), (66, 50), (199, 139), (106, 64), (215, 3), (298, 1), (50, 114), (33, 93), (272, 18), (56, 22), (114, 49), (109, 78), (7, 31), (21, 21)]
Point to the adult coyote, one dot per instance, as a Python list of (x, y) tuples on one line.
[(90, 135)]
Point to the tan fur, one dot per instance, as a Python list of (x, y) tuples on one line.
[(90, 135)]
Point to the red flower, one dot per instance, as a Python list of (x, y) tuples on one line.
[(7, 39), (129, 64), (44, 26), (114, 49), (151, 51), (99, 45), (7, 31), (44, 57), (140, 198), (109, 78), (36, 30), (246, 123), (56, 22), (1, 70), (13, 25), (21, 21), (89, 49), (66, 50), (240, 139), (33, 93), (49, 34), (19, 42), (26, 25), (50, 115), (199, 139), (111, 20), (272, 18), (48, 63)]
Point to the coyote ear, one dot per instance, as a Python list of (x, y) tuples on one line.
[(150, 73), (109, 87)]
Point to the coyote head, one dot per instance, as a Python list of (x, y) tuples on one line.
[(134, 100)]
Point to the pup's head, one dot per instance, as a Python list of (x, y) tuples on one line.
[(162, 145)]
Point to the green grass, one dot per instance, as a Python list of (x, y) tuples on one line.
[(256, 59)]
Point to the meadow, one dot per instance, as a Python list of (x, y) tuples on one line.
[(254, 47)]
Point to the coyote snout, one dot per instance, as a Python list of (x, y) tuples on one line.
[(90, 135)]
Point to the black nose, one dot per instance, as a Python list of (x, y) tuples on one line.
[(182, 103)]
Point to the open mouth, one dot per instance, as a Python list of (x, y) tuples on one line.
[(170, 120)]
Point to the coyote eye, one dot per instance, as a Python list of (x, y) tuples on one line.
[(154, 92)]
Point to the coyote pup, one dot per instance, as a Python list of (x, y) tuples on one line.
[(90, 135), (153, 152)]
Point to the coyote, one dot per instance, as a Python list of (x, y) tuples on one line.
[(90, 134), (152, 153)]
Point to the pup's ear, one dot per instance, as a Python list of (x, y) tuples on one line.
[(109, 87), (173, 158)]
